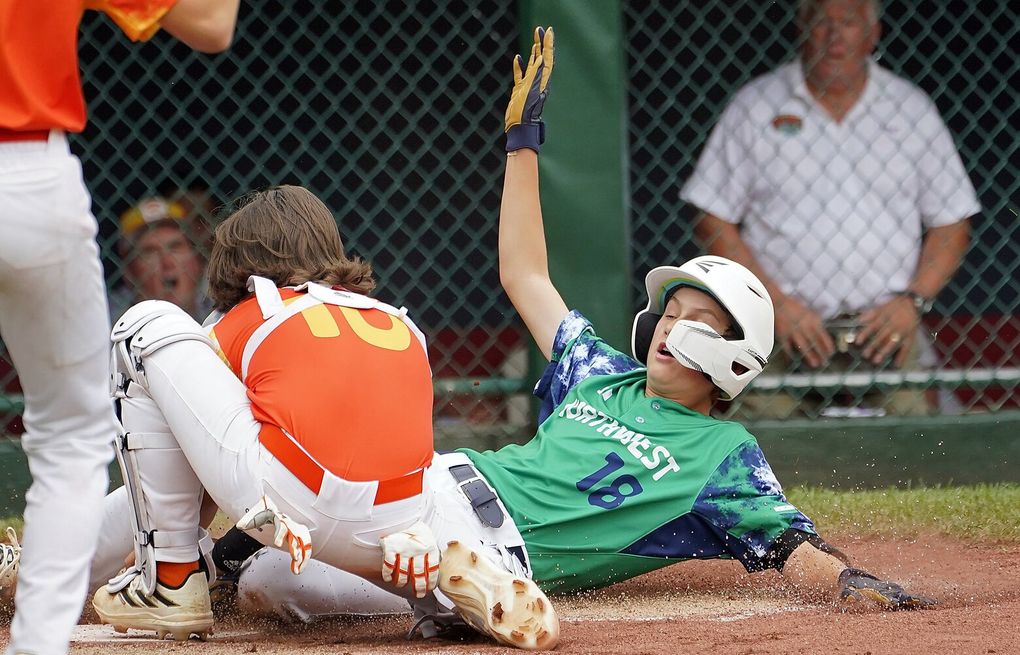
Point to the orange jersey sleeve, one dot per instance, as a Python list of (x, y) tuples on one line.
[(138, 19), (352, 386)]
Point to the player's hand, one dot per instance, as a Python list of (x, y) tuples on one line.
[(889, 328), (801, 331), (856, 586), (411, 554), (296, 535), (523, 122)]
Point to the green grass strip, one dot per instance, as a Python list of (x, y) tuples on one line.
[(985, 512)]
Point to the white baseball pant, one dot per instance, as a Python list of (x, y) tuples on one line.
[(267, 587), (55, 322)]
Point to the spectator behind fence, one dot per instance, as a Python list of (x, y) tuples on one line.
[(839, 185), (162, 258)]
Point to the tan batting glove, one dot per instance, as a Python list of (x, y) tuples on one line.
[(523, 121), (411, 554), (297, 536)]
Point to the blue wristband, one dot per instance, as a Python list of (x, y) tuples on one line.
[(530, 135)]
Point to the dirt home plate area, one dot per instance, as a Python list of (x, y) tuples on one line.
[(699, 607)]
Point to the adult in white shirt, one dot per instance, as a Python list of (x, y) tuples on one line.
[(839, 185)]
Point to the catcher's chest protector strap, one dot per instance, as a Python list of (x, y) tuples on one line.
[(275, 310)]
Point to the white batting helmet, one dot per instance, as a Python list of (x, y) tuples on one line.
[(730, 362)]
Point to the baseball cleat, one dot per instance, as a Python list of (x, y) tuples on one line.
[(10, 560), (175, 611), (510, 609)]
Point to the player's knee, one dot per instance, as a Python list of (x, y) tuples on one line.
[(154, 324), (144, 329)]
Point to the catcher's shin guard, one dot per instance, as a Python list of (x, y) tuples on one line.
[(145, 458), (205, 551), (147, 452)]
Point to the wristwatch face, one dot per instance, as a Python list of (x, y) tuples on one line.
[(922, 304)]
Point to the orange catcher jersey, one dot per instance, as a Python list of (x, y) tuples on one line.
[(40, 88), (352, 386)]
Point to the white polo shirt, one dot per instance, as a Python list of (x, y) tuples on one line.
[(833, 212)]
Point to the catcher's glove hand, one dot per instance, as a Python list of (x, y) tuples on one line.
[(523, 124), (856, 585)]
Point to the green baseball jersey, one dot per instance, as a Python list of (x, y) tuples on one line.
[(616, 483)]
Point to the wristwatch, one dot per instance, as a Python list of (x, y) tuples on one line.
[(921, 304)]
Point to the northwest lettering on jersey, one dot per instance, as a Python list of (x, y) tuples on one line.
[(658, 458)]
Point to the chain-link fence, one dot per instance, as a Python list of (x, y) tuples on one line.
[(391, 112), (778, 157), (387, 111)]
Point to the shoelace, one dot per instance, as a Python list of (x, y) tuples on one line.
[(10, 554)]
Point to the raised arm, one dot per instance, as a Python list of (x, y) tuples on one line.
[(205, 25), (523, 262)]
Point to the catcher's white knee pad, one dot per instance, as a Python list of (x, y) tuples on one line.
[(141, 331)]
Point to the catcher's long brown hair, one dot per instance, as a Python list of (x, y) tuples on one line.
[(287, 235)]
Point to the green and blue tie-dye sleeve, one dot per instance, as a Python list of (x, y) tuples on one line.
[(744, 500), (577, 354)]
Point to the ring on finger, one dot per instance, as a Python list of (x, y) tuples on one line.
[(895, 338)]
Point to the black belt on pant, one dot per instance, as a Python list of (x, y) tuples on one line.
[(478, 493)]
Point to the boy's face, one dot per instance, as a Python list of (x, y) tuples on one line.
[(667, 377), (165, 266)]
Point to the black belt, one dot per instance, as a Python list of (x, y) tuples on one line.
[(478, 493)]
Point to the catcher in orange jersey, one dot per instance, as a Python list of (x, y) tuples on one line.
[(53, 307), (319, 425), (299, 432)]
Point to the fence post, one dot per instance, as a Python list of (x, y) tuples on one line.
[(584, 160)]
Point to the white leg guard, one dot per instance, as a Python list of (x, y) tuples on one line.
[(116, 539), (141, 331), (164, 491)]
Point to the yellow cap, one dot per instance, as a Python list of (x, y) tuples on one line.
[(149, 212)]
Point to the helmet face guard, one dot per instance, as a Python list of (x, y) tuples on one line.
[(731, 363), (697, 346)]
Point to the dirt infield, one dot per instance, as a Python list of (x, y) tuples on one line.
[(700, 607)]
